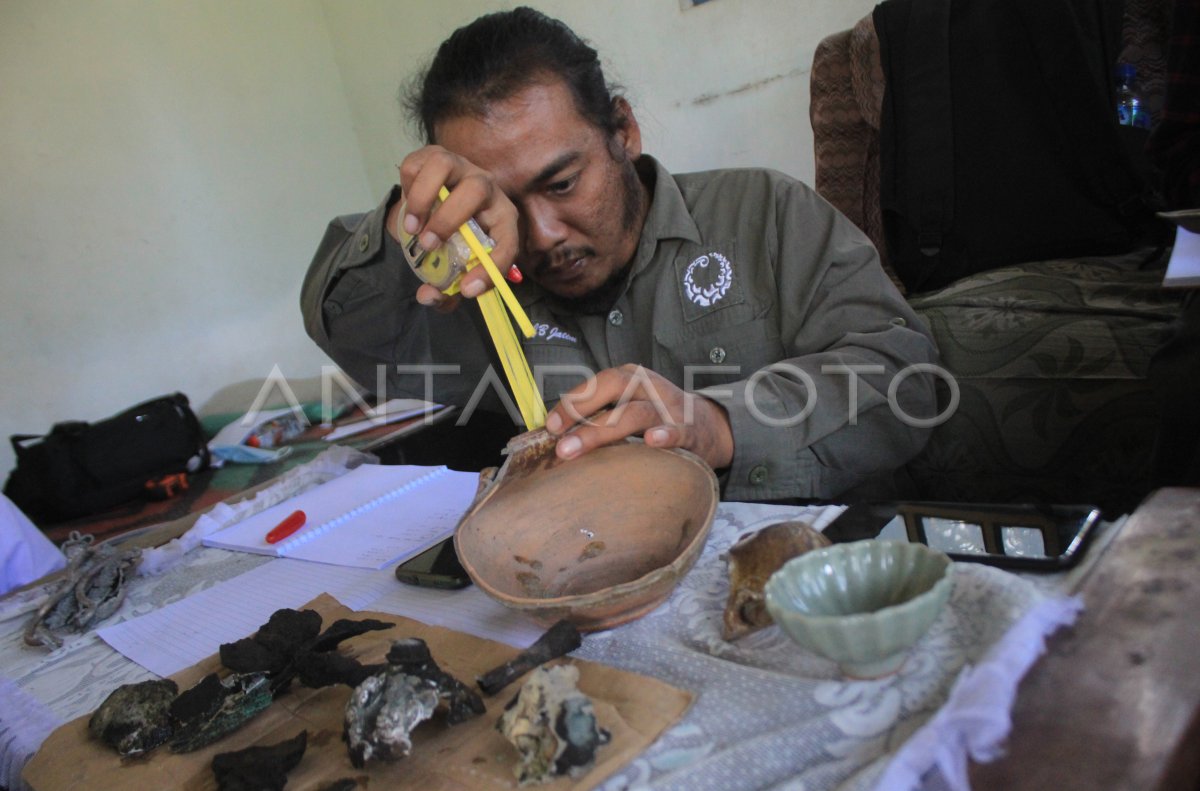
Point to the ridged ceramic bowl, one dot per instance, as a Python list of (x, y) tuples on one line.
[(862, 604)]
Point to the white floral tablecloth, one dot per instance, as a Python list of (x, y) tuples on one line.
[(766, 714), (769, 715)]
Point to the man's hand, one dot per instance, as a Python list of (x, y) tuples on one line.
[(473, 193), (619, 402)]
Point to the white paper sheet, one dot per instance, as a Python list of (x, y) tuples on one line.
[(371, 516), (393, 411), (1183, 270), (171, 638)]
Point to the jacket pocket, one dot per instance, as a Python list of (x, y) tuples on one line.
[(724, 353)]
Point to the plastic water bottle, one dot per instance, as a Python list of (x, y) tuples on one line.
[(1129, 99)]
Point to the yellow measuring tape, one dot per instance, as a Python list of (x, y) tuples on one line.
[(508, 346)]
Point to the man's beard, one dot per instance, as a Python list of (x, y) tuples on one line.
[(601, 298)]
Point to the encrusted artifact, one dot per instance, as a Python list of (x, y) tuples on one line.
[(259, 768), (135, 718), (381, 713), (138, 717), (291, 643), (386, 706), (274, 644), (752, 560), (553, 726), (93, 588), (327, 668), (560, 640), (411, 655), (213, 708)]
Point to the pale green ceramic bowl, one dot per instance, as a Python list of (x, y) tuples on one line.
[(862, 604)]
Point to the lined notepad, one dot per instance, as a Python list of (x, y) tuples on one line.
[(171, 638), (369, 517)]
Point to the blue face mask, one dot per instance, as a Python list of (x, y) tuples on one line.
[(244, 454)]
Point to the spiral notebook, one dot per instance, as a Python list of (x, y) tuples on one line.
[(371, 516)]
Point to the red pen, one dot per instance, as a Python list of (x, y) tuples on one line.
[(294, 522)]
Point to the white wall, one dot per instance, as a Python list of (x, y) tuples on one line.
[(169, 165), (168, 169), (724, 84)]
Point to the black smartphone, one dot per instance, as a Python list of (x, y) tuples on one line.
[(436, 567), (1030, 537)]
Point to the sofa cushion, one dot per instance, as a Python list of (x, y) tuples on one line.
[(846, 100), (1051, 361)]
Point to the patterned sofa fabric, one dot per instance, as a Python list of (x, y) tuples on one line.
[(1051, 361), (846, 88)]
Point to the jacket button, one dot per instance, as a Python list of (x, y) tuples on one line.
[(716, 355), (758, 475), (364, 242), (616, 317), (899, 322)]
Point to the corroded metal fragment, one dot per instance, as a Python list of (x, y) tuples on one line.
[(329, 668), (135, 718), (258, 768), (274, 644), (411, 655), (214, 708), (92, 589), (381, 713), (553, 726), (559, 640), (343, 629), (291, 642), (139, 717), (387, 705)]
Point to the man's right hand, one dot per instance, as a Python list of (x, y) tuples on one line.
[(473, 193)]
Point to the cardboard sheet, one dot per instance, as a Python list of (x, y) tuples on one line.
[(634, 708)]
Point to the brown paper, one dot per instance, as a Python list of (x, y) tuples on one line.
[(634, 708)]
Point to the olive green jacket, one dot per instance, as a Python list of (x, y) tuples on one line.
[(746, 287)]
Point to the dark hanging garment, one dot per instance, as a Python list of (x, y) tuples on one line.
[(999, 141)]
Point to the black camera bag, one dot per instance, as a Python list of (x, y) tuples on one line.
[(82, 468)]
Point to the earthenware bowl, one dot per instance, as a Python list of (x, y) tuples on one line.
[(862, 604), (598, 540)]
